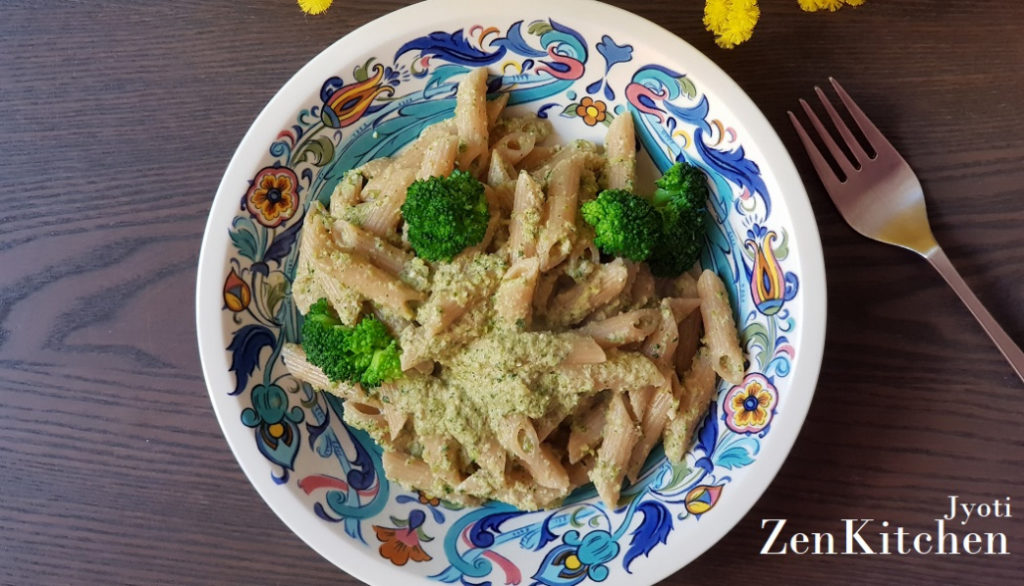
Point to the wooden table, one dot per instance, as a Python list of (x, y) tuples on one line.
[(117, 120)]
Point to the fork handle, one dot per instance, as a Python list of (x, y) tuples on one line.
[(1010, 350)]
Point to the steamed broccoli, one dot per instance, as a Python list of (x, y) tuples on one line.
[(681, 197), (365, 353), (445, 215), (667, 233), (624, 224)]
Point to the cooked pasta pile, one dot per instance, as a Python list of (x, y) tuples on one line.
[(531, 365)]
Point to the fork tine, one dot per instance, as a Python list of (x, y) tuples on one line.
[(837, 154), (858, 152), (825, 172), (871, 132)]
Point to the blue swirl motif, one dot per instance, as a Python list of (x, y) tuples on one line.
[(541, 63), (613, 54), (362, 491)]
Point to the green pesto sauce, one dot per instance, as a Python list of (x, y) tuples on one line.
[(497, 376)]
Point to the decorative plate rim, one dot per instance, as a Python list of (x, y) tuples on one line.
[(212, 339)]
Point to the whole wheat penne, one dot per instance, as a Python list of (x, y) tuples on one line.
[(661, 345), (370, 281), (529, 366), (576, 303), (620, 153), (439, 158), (584, 350), (381, 215), (513, 147), (347, 193), (519, 437), (527, 212), (471, 117), (619, 436), (651, 426), (624, 328), (619, 370), (352, 238), (500, 171), (585, 432), (439, 452), (407, 470), (697, 388), (558, 233), (720, 328), (514, 299), (494, 108), (642, 291), (689, 340)]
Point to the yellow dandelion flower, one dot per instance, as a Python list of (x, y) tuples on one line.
[(854, 2), (732, 21), (815, 5), (314, 6)]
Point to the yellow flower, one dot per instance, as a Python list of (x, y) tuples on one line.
[(732, 21), (830, 5), (314, 6)]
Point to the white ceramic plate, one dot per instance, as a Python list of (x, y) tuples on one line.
[(578, 63)]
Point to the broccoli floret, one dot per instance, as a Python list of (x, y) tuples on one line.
[(386, 365), (445, 215), (681, 198), (682, 238), (624, 224), (365, 353), (668, 233), (682, 181)]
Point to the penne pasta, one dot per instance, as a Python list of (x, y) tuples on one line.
[(584, 350), (602, 286), (661, 345), (624, 328), (620, 434), (406, 470), (620, 153), (656, 413), (689, 340), (720, 328), (381, 215), (695, 392), (500, 173), (369, 281), (527, 212), (518, 436), (439, 158), (513, 147), (351, 238), (347, 193), (557, 235), (530, 362), (494, 109), (514, 299), (471, 118), (642, 290), (585, 432)]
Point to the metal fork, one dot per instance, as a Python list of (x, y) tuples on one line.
[(880, 196)]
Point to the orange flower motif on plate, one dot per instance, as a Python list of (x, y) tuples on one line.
[(273, 196), (428, 500), (592, 111), (401, 544), (237, 294)]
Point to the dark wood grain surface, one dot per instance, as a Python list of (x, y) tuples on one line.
[(117, 119)]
